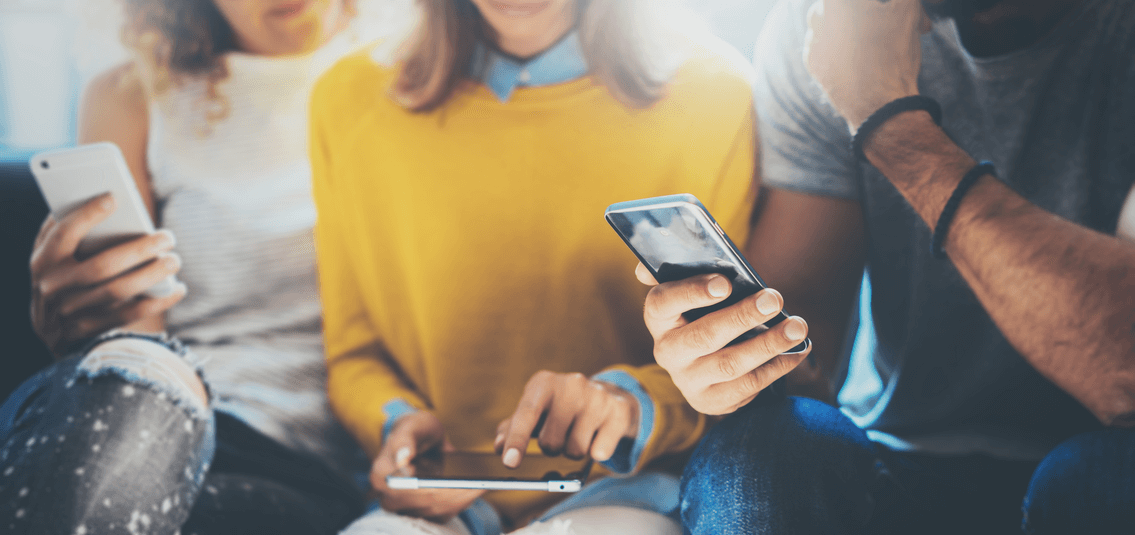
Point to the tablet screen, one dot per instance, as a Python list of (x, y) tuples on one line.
[(488, 467)]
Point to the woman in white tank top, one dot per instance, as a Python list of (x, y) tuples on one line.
[(230, 432)]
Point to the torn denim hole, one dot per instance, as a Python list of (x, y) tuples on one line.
[(158, 376)]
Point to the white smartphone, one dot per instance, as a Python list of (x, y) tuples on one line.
[(68, 178), (467, 470)]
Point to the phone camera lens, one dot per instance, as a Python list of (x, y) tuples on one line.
[(44, 165)]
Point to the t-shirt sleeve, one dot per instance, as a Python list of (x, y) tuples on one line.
[(805, 144)]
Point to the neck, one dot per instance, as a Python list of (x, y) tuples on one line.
[(529, 47), (1011, 25)]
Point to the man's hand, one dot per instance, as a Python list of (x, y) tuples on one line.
[(716, 379), (581, 417), (416, 434), (865, 53)]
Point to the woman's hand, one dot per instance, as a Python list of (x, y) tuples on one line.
[(713, 378), (416, 434), (73, 300), (580, 417)]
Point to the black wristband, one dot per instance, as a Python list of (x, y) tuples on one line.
[(889, 110), (938, 240)]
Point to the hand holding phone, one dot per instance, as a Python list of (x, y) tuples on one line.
[(718, 330), (97, 262)]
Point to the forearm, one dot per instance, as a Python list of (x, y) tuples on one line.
[(1062, 294)]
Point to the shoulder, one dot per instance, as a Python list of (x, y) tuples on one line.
[(358, 79), (114, 92)]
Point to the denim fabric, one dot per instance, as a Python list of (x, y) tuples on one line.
[(97, 452), (797, 465), (1085, 485), (80, 455)]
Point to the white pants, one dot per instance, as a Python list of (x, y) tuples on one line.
[(599, 520)]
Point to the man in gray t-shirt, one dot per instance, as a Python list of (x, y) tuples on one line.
[(1003, 368)]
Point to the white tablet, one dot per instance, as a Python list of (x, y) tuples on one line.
[(466, 470)]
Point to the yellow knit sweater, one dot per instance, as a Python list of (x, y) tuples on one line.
[(463, 250)]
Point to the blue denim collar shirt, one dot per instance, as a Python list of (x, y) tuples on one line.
[(563, 62)]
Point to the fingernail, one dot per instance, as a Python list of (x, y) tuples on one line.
[(767, 303), (171, 260), (718, 286), (402, 457), (795, 328), (512, 458), (499, 439), (165, 240)]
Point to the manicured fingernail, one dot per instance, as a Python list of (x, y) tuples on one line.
[(767, 303), (795, 328), (512, 458), (402, 457), (718, 286)]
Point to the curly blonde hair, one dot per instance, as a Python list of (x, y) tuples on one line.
[(179, 39)]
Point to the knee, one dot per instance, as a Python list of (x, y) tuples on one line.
[(146, 364), (790, 437), (794, 449), (1084, 485)]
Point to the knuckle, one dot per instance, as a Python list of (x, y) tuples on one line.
[(727, 364)]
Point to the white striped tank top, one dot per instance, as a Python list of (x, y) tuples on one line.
[(237, 195)]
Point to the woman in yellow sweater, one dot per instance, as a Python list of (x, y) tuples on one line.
[(469, 281)]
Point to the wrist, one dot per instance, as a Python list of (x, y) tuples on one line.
[(919, 159)]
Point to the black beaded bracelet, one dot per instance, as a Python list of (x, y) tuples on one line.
[(938, 240), (889, 110)]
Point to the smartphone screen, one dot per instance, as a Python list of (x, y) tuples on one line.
[(675, 237), (488, 467)]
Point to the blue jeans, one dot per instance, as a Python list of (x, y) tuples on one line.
[(109, 452), (795, 465)]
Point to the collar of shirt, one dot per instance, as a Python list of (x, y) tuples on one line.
[(561, 63)]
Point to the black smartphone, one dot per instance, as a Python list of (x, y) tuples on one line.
[(675, 237)]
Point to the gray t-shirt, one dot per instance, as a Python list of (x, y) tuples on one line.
[(930, 371)]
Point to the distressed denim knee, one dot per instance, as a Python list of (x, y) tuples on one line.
[(114, 441), (792, 465)]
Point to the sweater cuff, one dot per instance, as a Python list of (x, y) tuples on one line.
[(628, 453), (394, 410)]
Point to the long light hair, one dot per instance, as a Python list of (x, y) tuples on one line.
[(623, 42)]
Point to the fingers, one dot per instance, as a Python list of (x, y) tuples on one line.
[(112, 263), (736, 361), (534, 402), (123, 288), (644, 275), (732, 395), (570, 400), (666, 303), (713, 331), (600, 427), (63, 238)]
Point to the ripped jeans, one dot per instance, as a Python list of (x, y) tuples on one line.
[(114, 443)]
